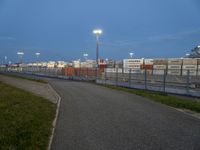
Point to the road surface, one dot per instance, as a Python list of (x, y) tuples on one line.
[(97, 118)]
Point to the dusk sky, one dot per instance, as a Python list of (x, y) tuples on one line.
[(62, 29)]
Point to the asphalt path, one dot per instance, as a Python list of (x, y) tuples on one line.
[(93, 117)]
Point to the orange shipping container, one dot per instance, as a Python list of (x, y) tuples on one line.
[(148, 67)]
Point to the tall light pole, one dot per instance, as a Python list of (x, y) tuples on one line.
[(97, 32), (131, 55), (20, 55), (85, 55), (37, 55)]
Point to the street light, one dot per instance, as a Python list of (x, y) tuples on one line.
[(97, 32), (85, 56), (131, 54), (187, 55), (37, 55), (20, 55)]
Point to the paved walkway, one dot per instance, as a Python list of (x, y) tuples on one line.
[(37, 88), (97, 118)]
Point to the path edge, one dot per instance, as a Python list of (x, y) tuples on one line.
[(56, 117)]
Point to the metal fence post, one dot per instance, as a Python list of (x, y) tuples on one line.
[(164, 80), (116, 76), (188, 81), (105, 77), (129, 78), (145, 78), (87, 73)]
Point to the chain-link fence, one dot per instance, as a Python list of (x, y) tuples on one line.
[(186, 82)]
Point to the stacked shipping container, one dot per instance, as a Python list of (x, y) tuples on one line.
[(191, 65), (174, 66)]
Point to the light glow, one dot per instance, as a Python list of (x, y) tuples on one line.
[(37, 54), (97, 31), (20, 53)]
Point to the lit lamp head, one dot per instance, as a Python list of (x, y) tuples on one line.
[(85, 55), (97, 32), (20, 53), (187, 55)]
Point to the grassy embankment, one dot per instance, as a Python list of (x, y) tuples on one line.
[(25, 119), (23, 77), (163, 98)]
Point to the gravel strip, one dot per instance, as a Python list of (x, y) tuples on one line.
[(40, 89)]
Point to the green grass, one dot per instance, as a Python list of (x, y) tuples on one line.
[(22, 77), (163, 98), (25, 119)]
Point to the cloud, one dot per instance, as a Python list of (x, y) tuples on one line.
[(6, 38), (153, 39)]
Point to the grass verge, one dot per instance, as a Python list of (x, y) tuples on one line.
[(23, 77), (163, 98), (25, 119)]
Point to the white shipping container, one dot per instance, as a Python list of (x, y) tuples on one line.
[(126, 70), (174, 61), (174, 66), (159, 66), (189, 61), (114, 70), (174, 72), (148, 61), (191, 72), (133, 61), (190, 67), (158, 72)]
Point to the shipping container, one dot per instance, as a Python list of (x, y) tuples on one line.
[(191, 72), (149, 67), (174, 72), (68, 71), (159, 66), (189, 61), (149, 72), (189, 67), (158, 72), (160, 62), (148, 62), (174, 61), (114, 70), (174, 67), (126, 70)]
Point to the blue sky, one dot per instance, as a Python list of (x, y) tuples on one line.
[(62, 29)]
